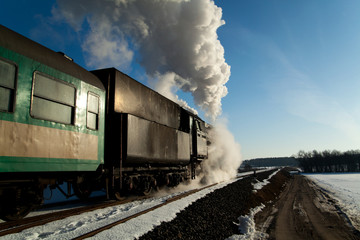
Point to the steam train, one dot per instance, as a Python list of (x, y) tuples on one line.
[(60, 123)]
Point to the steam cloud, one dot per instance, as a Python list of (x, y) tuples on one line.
[(178, 47), (174, 38), (224, 154)]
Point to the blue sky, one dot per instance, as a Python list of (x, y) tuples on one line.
[(295, 72), (294, 76)]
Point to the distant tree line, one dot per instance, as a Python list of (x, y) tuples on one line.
[(270, 162), (329, 161)]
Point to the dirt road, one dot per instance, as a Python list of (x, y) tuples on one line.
[(304, 212)]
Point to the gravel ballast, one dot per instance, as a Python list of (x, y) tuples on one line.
[(214, 216)]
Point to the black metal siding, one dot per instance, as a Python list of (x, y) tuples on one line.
[(129, 96), (153, 143)]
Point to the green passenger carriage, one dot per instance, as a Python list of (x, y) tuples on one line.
[(51, 121)]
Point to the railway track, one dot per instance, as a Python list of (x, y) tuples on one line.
[(175, 198), (170, 200), (30, 222)]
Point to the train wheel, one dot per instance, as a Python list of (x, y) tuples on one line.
[(119, 196), (147, 191), (149, 186), (82, 187), (17, 203), (17, 212)]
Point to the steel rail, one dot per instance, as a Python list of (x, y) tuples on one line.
[(175, 198), (29, 222)]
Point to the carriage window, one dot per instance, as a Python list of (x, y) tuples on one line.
[(92, 118), (7, 86), (53, 99)]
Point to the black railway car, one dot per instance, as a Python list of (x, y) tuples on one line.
[(149, 139)]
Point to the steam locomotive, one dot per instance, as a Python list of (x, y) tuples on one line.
[(60, 123)]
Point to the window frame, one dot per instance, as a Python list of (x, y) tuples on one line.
[(73, 110), (13, 105), (88, 111)]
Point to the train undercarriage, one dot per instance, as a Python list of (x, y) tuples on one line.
[(21, 195), (23, 192), (144, 181)]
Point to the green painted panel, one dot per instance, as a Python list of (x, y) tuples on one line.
[(17, 164)]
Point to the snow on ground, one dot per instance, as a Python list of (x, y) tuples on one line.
[(246, 223), (259, 185), (345, 189), (247, 226)]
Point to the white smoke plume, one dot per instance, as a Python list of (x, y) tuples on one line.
[(177, 44), (175, 37), (224, 154), (166, 85)]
